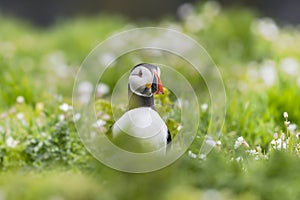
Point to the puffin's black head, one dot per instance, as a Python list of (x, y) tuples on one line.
[(144, 80)]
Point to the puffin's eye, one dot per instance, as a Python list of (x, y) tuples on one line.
[(140, 74)]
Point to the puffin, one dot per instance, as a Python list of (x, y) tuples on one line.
[(140, 129)]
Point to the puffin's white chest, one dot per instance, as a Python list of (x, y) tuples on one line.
[(140, 130)]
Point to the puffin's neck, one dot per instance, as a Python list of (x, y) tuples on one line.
[(136, 101)]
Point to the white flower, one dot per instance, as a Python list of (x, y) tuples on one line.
[(185, 10), (252, 152), (285, 115), (202, 156), (267, 28), (20, 116), (43, 134), (239, 159), (279, 144), (211, 8), (20, 99), (282, 136), (178, 103), (85, 87), (191, 154), (194, 23), (99, 123), (275, 136), (179, 127), (268, 73), (57, 62), (65, 107), (11, 142), (106, 59), (210, 141), (240, 141), (102, 89), (84, 90), (77, 116), (204, 107), (61, 118), (290, 66), (292, 127)]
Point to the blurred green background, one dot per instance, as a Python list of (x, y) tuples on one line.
[(42, 157)]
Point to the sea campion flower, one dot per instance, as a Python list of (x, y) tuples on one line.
[(204, 107), (290, 66), (292, 127), (268, 72), (11, 142), (102, 89), (20, 99), (279, 143), (267, 28), (20, 116), (282, 136), (275, 136), (239, 159), (99, 123), (285, 115), (65, 107), (84, 91), (240, 141), (202, 156), (212, 142), (77, 117), (191, 154), (252, 152), (61, 118)]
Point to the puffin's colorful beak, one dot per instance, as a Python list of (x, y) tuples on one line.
[(160, 89)]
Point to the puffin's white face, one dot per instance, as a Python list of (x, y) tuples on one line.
[(140, 81)]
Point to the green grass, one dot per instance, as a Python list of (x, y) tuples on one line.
[(42, 157)]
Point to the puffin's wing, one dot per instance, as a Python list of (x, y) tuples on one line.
[(169, 138)]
